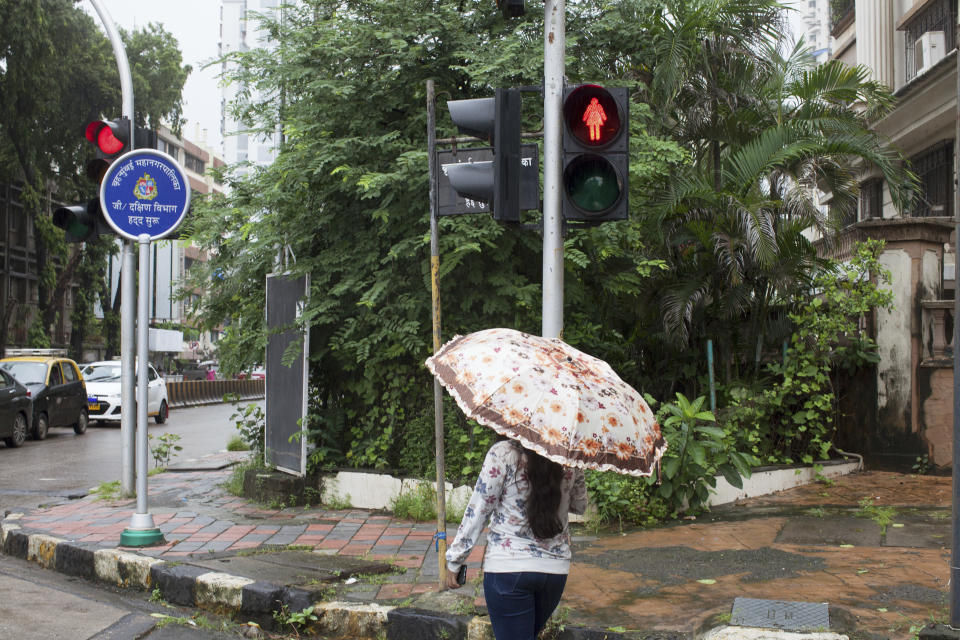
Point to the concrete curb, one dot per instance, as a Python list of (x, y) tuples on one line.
[(188, 585)]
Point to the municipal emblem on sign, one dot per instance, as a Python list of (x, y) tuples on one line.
[(146, 188)]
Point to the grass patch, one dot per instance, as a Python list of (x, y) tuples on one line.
[(883, 516), (333, 499), (107, 491), (234, 484), (420, 505), (262, 551), (236, 443)]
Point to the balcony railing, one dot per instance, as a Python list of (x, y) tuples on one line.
[(937, 331), (841, 15), (938, 16)]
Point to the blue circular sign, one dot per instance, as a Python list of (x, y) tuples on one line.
[(144, 191)]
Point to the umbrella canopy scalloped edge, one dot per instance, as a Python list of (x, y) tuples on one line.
[(649, 462)]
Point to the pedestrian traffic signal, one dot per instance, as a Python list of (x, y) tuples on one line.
[(596, 153), (112, 139), (511, 8), (81, 222), (496, 182)]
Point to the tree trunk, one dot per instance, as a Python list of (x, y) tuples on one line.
[(55, 300)]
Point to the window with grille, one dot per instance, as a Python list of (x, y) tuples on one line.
[(871, 199), (193, 163), (938, 16), (934, 168)]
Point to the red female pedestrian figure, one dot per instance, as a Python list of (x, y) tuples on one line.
[(594, 116)]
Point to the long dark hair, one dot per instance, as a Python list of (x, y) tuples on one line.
[(543, 501)]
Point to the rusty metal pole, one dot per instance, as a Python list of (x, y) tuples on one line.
[(435, 299), (955, 553)]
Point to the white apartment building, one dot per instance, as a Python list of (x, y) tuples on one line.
[(239, 32), (815, 18)]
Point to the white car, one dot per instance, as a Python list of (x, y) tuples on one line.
[(103, 392)]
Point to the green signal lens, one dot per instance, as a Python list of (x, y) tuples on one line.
[(592, 183)]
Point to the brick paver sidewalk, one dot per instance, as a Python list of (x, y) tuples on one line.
[(212, 521)]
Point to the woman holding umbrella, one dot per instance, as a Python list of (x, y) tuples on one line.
[(560, 410), (526, 498)]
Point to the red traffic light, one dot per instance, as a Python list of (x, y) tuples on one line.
[(592, 115), (110, 136)]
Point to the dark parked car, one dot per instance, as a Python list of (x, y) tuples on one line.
[(56, 388), (15, 412), (195, 371)]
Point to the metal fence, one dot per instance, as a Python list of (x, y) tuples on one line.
[(938, 16), (191, 393)]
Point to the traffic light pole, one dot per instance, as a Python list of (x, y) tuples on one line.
[(435, 315), (127, 283), (554, 43), (142, 531)]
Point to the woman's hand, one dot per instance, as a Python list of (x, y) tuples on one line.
[(452, 580)]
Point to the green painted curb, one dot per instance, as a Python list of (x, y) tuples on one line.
[(141, 537)]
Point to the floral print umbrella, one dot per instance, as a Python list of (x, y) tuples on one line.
[(560, 402)]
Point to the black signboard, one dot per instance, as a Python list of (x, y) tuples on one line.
[(451, 204)]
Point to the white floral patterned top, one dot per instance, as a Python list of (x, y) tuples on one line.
[(500, 495)]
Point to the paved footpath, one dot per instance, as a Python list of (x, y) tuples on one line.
[(874, 545)]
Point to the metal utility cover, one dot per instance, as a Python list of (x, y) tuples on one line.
[(780, 614)]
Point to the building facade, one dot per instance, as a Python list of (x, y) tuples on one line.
[(239, 31), (815, 21), (909, 45)]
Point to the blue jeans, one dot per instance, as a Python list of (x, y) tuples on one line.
[(521, 603)]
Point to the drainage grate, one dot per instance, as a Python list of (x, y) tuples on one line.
[(779, 614)]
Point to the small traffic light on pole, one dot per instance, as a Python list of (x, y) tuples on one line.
[(596, 153), (81, 222), (511, 8), (496, 182), (112, 139), (84, 222)]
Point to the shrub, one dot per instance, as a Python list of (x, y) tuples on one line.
[(250, 421), (236, 443)]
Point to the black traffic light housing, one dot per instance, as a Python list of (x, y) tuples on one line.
[(112, 139), (81, 222), (511, 8), (496, 182), (596, 153), (84, 222)]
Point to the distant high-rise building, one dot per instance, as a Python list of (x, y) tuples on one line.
[(816, 27), (239, 31)]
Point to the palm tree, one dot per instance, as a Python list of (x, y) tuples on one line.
[(765, 132)]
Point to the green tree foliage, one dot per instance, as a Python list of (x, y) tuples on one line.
[(348, 194), (58, 72), (764, 131), (727, 136), (793, 417)]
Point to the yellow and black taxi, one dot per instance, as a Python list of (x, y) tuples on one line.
[(56, 388)]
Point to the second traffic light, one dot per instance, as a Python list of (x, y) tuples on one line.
[(81, 222), (511, 8), (496, 182), (596, 153)]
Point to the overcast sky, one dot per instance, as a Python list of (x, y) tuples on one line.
[(196, 26)]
